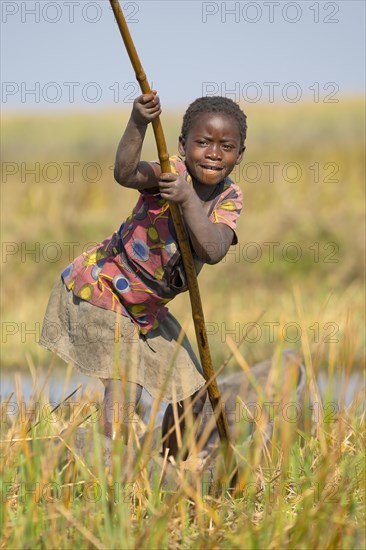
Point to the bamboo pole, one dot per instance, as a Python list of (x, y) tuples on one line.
[(194, 294)]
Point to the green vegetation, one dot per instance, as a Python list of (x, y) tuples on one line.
[(297, 273), (303, 490)]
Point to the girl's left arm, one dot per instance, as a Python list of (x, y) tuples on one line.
[(211, 241)]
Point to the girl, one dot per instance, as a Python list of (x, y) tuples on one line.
[(107, 314)]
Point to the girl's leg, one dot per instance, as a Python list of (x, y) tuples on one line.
[(119, 405), (171, 442)]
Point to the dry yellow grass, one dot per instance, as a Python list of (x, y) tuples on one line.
[(306, 489)]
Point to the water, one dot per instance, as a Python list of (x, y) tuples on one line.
[(58, 386), (62, 382)]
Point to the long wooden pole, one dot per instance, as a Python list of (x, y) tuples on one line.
[(194, 294)]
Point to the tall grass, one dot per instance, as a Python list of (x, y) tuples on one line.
[(302, 489), (302, 179)]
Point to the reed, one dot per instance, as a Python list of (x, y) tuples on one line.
[(297, 490), (302, 489)]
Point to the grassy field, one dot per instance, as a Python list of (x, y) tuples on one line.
[(296, 277), (302, 223)]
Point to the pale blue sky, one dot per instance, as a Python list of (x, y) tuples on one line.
[(269, 50)]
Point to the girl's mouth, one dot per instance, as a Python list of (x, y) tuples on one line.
[(211, 167)]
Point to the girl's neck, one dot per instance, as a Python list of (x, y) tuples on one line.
[(206, 192)]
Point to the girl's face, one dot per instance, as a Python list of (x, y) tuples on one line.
[(212, 148)]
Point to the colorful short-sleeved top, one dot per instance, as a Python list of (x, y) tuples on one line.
[(138, 269)]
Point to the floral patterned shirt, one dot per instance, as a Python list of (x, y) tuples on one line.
[(138, 269)]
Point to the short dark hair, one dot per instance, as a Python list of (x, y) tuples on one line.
[(215, 104)]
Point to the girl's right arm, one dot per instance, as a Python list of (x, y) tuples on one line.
[(129, 171)]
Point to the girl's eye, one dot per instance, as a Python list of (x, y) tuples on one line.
[(227, 146), (202, 142)]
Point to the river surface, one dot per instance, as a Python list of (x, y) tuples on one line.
[(19, 385)]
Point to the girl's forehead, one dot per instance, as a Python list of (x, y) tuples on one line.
[(215, 122)]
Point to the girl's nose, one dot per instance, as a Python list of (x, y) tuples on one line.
[(213, 151)]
